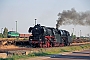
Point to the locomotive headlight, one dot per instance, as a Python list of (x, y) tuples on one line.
[(36, 28), (31, 39), (40, 39)]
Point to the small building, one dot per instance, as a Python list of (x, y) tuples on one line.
[(24, 35)]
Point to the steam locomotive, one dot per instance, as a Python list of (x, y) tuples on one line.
[(43, 36)]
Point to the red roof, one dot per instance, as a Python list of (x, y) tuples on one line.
[(25, 35)]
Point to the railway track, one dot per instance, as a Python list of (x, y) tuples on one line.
[(26, 42), (32, 49)]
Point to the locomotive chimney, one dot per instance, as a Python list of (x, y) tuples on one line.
[(56, 26), (35, 21)]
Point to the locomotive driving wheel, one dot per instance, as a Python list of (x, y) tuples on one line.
[(41, 45), (47, 42)]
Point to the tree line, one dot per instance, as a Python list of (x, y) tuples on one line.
[(4, 34)]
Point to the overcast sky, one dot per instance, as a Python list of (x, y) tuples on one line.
[(45, 11)]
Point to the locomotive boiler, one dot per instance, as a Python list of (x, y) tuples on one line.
[(43, 36)]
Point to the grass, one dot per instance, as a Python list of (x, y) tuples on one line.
[(50, 51), (30, 55)]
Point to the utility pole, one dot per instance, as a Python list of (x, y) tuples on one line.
[(12, 29), (16, 28), (73, 31), (80, 33)]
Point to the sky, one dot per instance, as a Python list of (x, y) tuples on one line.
[(45, 11)]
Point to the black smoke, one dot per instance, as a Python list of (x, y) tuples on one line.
[(68, 17)]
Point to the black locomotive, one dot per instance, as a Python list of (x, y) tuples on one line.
[(43, 36)]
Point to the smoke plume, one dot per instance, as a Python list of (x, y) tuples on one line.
[(68, 17)]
